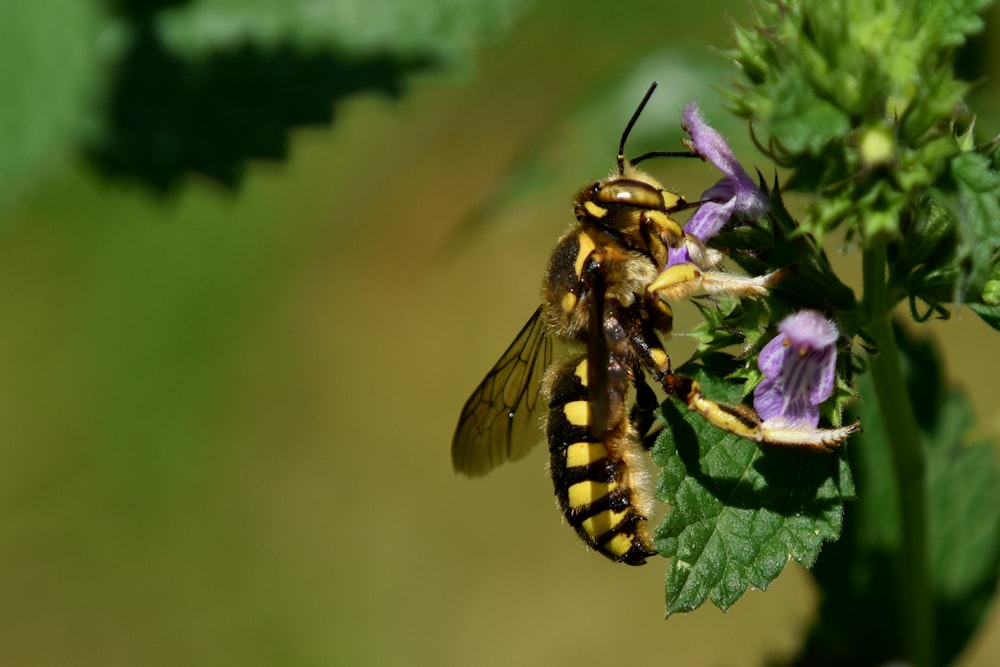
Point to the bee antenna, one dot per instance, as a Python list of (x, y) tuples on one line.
[(646, 156), (628, 128)]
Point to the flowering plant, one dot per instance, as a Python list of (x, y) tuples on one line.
[(859, 104)]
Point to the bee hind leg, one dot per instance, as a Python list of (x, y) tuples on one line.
[(736, 419), (643, 414), (744, 422)]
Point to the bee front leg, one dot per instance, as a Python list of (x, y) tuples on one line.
[(682, 281), (660, 233)]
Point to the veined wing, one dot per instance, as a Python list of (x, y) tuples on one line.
[(499, 421)]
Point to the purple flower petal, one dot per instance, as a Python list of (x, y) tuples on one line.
[(708, 142), (799, 367), (678, 256), (768, 400), (709, 219), (772, 356), (808, 328), (827, 371), (736, 183), (799, 410)]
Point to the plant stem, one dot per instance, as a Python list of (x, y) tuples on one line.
[(916, 628)]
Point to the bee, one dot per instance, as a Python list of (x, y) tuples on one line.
[(606, 291)]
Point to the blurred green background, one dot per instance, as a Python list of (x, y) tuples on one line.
[(226, 416)]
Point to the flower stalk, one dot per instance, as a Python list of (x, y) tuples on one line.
[(915, 603)]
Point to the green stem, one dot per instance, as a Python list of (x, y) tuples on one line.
[(916, 629)]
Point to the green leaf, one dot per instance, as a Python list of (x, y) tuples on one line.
[(951, 251), (963, 495), (208, 85), (946, 23), (738, 512), (50, 76), (801, 121), (977, 209), (991, 288), (988, 307), (964, 522), (171, 117)]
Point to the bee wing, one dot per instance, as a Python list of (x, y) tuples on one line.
[(498, 421)]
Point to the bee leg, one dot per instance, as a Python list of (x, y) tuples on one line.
[(643, 415), (649, 440), (742, 421), (736, 419), (682, 281), (661, 233)]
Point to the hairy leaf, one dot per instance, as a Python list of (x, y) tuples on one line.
[(977, 208), (738, 512)]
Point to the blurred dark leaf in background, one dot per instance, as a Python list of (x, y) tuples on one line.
[(169, 116)]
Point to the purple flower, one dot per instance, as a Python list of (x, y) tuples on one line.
[(799, 367), (736, 192)]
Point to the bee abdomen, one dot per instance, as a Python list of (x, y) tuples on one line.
[(598, 490)]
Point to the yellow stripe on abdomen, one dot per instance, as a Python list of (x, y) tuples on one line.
[(586, 492), (601, 523), (619, 545), (584, 453), (577, 413), (592, 476)]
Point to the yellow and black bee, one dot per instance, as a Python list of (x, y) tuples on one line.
[(607, 289)]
